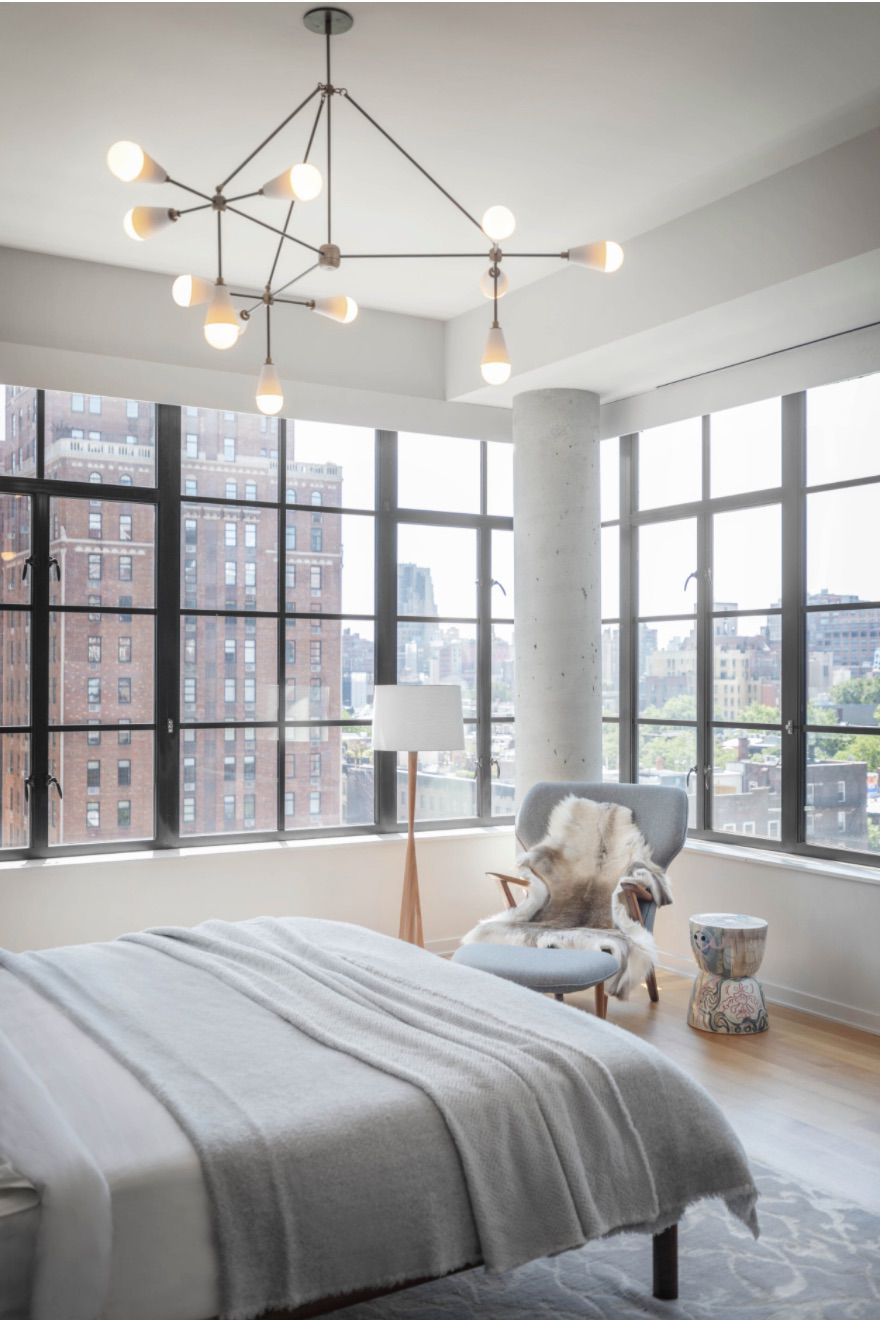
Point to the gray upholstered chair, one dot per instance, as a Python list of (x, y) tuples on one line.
[(660, 813)]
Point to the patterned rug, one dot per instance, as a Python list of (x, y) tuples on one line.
[(818, 1258)]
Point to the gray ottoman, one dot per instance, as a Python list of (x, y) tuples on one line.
[(550, 971)]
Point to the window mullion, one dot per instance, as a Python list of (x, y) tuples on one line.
[(705, 645), (628, 605), (281, 624), (484, 673), (39, 757), (386, 613), (167, 676), (794, 573)]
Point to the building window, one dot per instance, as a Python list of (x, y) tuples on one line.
[(317, 539), (123, 774), (94, 567), (124, 691), (229, 808), (123, 650), (229, 691), (231, 490), (250, 536), (95, 526), (125, 527), (229, 448), (125, 568), (189, 810), (94, 650), (77, 403), (132, 408), (191, 445), (315, 576), (93, 774), (123, 814), (95, 404), (229, 530), (93, 815), (94, 692)]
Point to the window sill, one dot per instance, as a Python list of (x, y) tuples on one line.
[(246, 849), (866, 875)]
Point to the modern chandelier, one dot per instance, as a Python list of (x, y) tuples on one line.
[(303, 183)]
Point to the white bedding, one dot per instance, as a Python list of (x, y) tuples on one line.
[(163, 1265)]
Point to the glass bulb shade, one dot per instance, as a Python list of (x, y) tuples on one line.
[(270, 396), (222, 325), (142, 222), (338, 308), (605, 256), (301, 183), (498, 223), (191, 290), (487, 285), (130, 163), (495, 366)]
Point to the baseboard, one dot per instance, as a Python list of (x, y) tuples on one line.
[(445, 948), (830, 1009)]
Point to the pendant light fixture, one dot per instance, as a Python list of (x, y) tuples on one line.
[(302, 183)]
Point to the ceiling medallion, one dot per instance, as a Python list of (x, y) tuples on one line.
[(303, 183)]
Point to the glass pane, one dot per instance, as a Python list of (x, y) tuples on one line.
[(429, 653), (841, 549), (843, 667), (15, 669), (503, 680), (228, 668), (746, 782), (228, 557), (499, 494), (101, 668), (670, 464), (609, 479), (15, 547), (358, 668), (18, 432), (436, 571), (843, 431), (104, 441), (504, 770), (228, 780), (320, 683), (746, 448), (666, 755), (108, 786), (329, 562), (15, 813), (438, 472), (502, 572), (610, 669), (747, 570), (334, 462), (228, 455), (667, 555), (843, 791), (668, 670), (105, 552), (610, 605), (748, 668), (328, 777), (446, 787), (610, 753)]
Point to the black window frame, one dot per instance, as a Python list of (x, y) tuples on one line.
[(792, 496), (168, 499)]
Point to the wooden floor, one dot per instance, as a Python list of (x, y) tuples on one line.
[(804, 1096)]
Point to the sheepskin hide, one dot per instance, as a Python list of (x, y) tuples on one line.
[(574, 900)]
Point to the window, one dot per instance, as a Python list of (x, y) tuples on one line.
[(95, 562), (94, 692), (95, 525), (93, 774), (725, 703), (230, 534), (123, 774), (191, 445), (132, 408), (315, 578), (123, 650), (77, 403), (95, 404), (123, 814), (124, 691), (94, 650), (125, 527), (317, 539), (250, 535), (93, 815)]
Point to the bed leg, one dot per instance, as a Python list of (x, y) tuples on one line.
[(666, 1264)]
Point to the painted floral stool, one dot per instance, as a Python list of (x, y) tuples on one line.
[(726, 997)]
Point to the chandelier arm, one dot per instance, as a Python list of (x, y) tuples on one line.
[(219, 247), (274, 228), (412, 160), (268, 333), (559, 256), (247, 160), (243, 196), (203, 206), (296, 302), (420, 256), (300, 276), (293, 202), (186, 188), (327, 21)]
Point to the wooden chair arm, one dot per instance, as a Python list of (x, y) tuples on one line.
[(505, 882), (640, 891)]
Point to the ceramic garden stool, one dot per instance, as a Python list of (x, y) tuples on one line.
[(728, 947)]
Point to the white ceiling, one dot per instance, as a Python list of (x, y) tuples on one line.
[(588, 120)]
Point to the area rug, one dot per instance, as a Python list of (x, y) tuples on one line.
[(818, 1258)]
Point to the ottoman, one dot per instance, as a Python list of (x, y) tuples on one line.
[(726, 997), (555, 972)]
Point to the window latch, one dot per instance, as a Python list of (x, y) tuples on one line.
[(53, 563), (693, 770), (50, 780), (789, 727), (495, 583), (28, 785), (28, 564), (694, 575)]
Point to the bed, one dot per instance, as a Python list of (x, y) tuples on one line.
[(296, 1113)]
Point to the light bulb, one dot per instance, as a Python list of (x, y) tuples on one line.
[(338, 308), (131, 164), (191, 290), (221, 319), (301, 182), (270, 396), (605, 256), (498, 223), (495, 366), (487, 284), (142, 222)]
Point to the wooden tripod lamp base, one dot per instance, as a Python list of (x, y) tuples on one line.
[(414, 717)]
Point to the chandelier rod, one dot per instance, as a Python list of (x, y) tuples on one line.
[(293, 203), (327, 26), (291, 238), (426, 256), (268, 139), (300, 276), (219, 246), (348, 96), (186, 188)]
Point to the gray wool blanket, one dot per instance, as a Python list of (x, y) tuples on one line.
[(546, 1109)]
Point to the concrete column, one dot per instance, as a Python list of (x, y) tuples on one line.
[(558, 580)]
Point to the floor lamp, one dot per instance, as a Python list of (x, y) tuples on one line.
[(413, 718)]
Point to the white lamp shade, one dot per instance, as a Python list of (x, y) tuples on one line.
[(605, 256), (338, 307), (130, 163), (417, 717), (191, 290), (142, 222)]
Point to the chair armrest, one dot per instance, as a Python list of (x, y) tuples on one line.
[(640, 891), (505, 882)]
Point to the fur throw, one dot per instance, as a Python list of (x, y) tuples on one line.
[(574, 900)]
